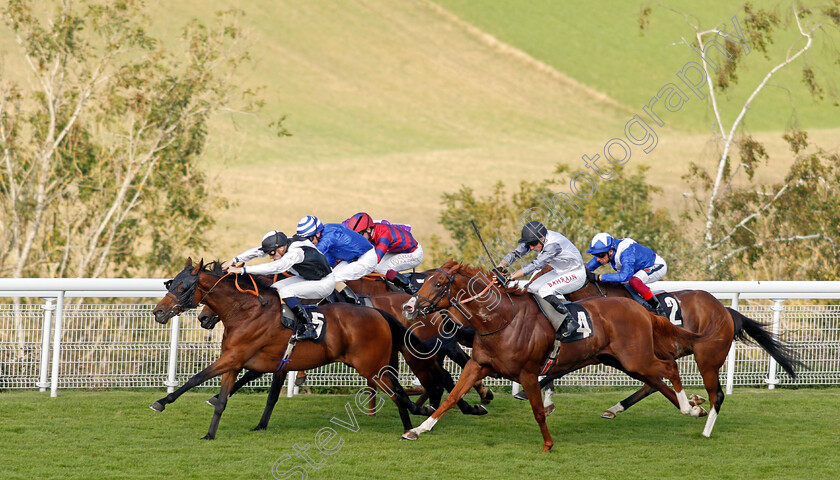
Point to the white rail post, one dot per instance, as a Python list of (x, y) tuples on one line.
[(174, 329), (777, 309), (56, 359), (46, 329), (730, 359), (290, 384)]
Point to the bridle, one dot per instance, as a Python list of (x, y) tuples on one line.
[(188, 294), (446, 293)]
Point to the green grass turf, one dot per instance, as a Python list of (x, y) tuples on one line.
[(113, 434)]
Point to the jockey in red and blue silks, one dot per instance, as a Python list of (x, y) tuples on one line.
[(349, 254), (634, 263), (395, 247)]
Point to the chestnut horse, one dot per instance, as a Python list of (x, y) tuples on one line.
[(428, 368), (513, 339), (718, 326), (361, 337)]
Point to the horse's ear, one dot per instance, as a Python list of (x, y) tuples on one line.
[(189, 263), (197, 269)]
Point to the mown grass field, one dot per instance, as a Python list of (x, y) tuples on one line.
[(760, 434)]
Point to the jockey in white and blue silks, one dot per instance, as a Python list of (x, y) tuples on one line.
[(312, 277), (633, 263), (349, 254), (567, 274)]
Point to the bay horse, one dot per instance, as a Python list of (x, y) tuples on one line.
[(513, 339), (428, 368), (718, 326), (361, 337)]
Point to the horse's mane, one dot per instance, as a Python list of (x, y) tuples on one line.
[(215, 268), (471, 271)]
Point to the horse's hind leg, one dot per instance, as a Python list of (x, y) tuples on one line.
[(711, 380), (277, 380), (249, 376), (228, 379)]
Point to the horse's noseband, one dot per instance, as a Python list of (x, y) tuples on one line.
[(444, 293)]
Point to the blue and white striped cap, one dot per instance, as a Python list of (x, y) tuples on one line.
[(309, 226)]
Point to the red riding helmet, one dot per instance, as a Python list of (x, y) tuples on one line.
[(360, 222)]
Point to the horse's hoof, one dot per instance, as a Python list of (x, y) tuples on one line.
[(212, 401), (481, 410), (608, 415), (547, 447), (698, 412), (488, 397), (299, 381), (426, 411), (157, 406), (549, 409), (410, 435), (695, 400), (258, 428), (521, 395), (208, 437)]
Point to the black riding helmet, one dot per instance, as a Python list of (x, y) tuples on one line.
[(533, 232), (274, 240)]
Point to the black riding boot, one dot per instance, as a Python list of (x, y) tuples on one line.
[(350, 296), (567, 317), (401, 281), (657, 307), (309, 330)]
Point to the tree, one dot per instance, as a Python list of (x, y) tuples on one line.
[(100, 148), (622, 207), (728, 212)]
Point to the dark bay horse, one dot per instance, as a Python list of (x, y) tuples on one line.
[(513, 339), (429, 369), (716, 324), (361, 337)]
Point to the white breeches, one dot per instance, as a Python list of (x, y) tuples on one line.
[(308, 289), (363, 265), (558, 283), (400, 261), (654, 273)]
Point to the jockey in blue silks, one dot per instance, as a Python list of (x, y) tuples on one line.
[(350, 254), (633, 263)]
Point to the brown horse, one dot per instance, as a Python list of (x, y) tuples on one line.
[(716, 324), (428, 368), (361, 337), (514, 339)]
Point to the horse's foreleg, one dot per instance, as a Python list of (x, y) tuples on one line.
[(221, 365), (531, 386), (472, 372), (277, 380), (228, 379), (246, 378)]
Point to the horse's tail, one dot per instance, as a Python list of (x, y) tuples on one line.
[(750, 331), (402, 337), (669, 340)]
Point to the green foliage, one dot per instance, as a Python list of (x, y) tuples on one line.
[(101, 173), (621, 206)]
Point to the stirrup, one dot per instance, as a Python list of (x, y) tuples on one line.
[(309, 333)]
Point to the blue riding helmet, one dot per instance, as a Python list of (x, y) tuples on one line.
[(601, 243), (309, 226)]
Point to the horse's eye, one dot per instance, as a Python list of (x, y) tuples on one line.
[(437, 284)]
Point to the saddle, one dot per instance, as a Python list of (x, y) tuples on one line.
[(668, 301), (290, 321)]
